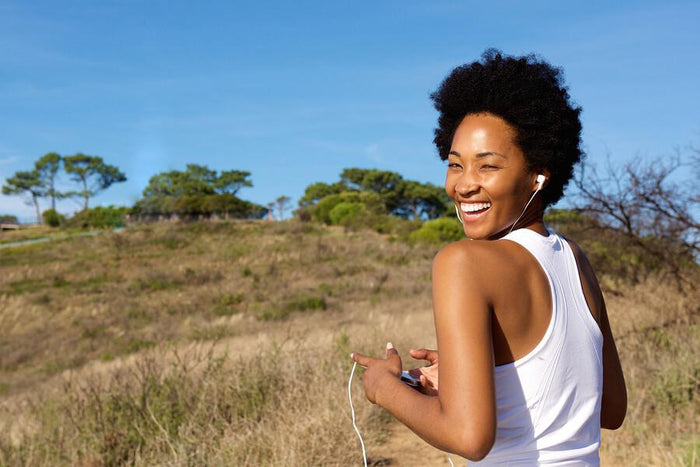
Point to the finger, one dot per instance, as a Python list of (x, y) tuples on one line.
[(424, 354), (415, 372), (390, 350), (425, 385), (392, 354), (418, 354), (362, 360)]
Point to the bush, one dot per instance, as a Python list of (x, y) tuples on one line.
[(612, 253), (372, 202), (193, 206), (303, 214), (8, 219), (394, 225), (99, 217), (438, 231), (348, 214), (52, 218)]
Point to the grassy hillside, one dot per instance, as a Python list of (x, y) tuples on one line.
[(227, 344)]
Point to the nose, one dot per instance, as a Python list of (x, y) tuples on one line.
[(466, 184)]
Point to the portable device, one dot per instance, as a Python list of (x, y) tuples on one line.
[(410, 380)]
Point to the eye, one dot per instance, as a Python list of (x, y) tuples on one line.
[(489, 167), (454, 165)]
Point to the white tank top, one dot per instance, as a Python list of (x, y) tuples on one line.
[(548, 402)]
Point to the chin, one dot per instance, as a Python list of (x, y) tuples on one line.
[(485, 234)]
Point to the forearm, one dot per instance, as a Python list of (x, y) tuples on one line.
[(428, 418)]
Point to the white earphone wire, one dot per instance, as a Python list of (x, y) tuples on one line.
[(540, 181), (525, 208), (354, 425), (459, 215), (352, 410)]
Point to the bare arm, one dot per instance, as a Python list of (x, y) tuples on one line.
[(614, 400), (462, 418), (614, 404)]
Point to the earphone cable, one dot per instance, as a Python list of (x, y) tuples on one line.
[(352, 411), (524, 209)]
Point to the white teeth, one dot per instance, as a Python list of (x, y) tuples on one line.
[(473, 207)]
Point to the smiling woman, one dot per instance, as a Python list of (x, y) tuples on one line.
[(487, 176), (528, 369)]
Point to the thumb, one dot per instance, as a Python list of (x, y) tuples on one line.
[(418, 354), (390, 350), (424, 354)]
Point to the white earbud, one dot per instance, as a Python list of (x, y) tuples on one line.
[(459, 215), (540, 181)]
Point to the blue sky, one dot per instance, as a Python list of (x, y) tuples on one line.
[(295, 91)]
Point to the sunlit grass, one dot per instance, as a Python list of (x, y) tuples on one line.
[(227, 344)]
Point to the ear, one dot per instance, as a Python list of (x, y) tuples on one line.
[(541, 179)]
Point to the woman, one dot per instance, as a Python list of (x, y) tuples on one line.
[(528, 369)]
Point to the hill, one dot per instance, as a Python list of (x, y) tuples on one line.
[(227, 343)]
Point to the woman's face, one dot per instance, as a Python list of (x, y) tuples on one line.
[(487, 176)]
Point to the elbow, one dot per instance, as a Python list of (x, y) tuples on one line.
[(475, 446), (613, 415), (613, 419)]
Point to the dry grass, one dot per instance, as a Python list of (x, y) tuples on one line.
[(197, 407), (658, 336), (226, 344)]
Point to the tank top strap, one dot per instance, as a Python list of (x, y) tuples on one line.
[(541, 247)]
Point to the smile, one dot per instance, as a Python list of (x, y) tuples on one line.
[(472, 209)]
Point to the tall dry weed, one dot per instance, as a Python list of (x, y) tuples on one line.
[(658, 337), (274, 406), (227, 344)]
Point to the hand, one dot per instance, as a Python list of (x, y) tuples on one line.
[(378, 371), (428, 375)]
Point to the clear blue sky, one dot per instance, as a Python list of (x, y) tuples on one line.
[(295, 91)]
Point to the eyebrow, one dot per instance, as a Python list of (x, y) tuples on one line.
[(480, 154)]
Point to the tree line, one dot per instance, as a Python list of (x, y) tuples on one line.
[(90, 173), (360, 197), (373, 192), (197, 192), (632, 219)]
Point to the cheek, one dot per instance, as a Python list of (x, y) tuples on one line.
[(450, 183), (503, 186)]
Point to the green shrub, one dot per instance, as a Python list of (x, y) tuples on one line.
[(135, 345), (303, 214), (52, 218), (308, 303), (211, 333), (399, 227), (348, 213), (372, 202), (438, 231), (8, 219), (270, 312), (155, 281), (227, 304), (99, 217)]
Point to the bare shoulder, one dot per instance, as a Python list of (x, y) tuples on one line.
[(484, 263), (472, 254), (589, 281)]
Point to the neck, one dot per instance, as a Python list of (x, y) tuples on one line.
[(536, 225), (532, 218)]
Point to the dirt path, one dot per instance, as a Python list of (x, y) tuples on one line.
[(51, 238), (404, 449)]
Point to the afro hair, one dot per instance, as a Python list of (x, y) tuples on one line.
[(530, 95)]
